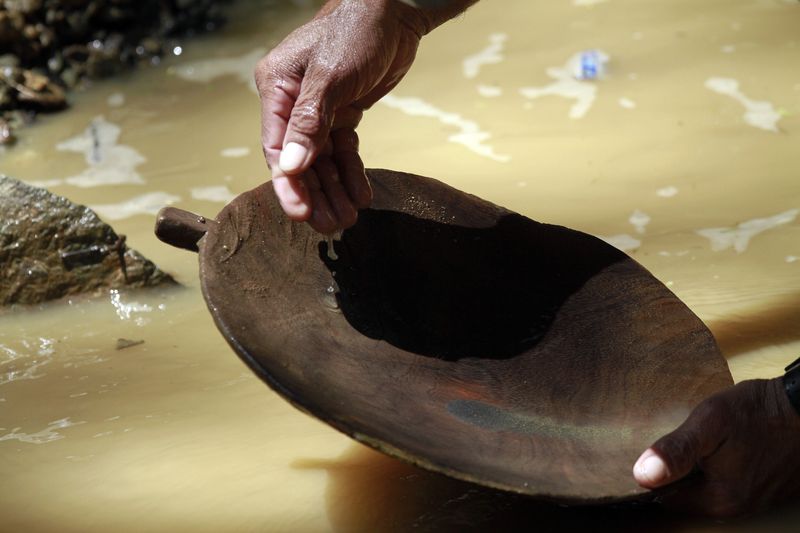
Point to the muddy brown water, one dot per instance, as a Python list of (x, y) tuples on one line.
[(684, 154)]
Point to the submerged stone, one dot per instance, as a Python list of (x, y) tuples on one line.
[(51, 248)]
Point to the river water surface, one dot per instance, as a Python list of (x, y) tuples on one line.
[(684, 153)]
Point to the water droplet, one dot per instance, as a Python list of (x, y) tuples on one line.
[(331, 251), (329, 297)]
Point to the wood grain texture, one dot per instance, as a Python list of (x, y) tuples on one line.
[(462, 337)]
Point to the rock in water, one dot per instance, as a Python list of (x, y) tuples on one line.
[(51, 247)]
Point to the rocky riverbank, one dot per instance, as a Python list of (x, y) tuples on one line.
[(49, 46), (51, 248)]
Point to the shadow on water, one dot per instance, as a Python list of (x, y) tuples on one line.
[(750, 331), (368, 491), (450, 291)]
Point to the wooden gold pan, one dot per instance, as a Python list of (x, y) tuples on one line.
[(458, 336)]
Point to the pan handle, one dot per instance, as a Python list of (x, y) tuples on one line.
[(179, 228)]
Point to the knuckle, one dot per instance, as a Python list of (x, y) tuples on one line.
[(271, 154), (308, 119), (264, 69)]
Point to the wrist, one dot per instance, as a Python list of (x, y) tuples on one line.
[(790, 383), (430, 14), (778, 408)]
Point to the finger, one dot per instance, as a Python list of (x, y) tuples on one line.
[(309, 122), (327, 148), (343, 207), (278, 93), (293, 197), (322, 218), (675, 455), (347, 117), (278, 88), (351, 168)]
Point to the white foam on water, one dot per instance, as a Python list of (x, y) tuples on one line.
[(739, 236), (667, 192), (627, 103), (235, 151), (567, 86), (622, 241), (46, 183), (492, 54), (758, 113), (214, 193), (48, 434), (207, 70), (18, 365), (490, 91), (109, 163), (116, 100), (792, 258), (144, 204), (639, 220), (127, 310), (469, 135)]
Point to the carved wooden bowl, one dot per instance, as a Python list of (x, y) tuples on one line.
[(458, 336)]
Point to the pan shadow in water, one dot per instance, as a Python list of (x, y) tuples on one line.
[(759, 328), (368, 491), (452, 292)]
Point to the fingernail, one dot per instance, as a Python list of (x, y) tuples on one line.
[(651, 468), (292, 157)]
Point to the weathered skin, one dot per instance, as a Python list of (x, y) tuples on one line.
[(314, 87), (51, 248), (745, 441)]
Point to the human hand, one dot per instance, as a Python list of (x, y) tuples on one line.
[(745, 441), (314, 87)]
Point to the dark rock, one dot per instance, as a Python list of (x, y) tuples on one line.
[(127, 343), (20, 88), (76, 40), (51, 248)]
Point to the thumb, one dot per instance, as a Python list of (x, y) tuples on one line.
[(677, 454), (309, 123)]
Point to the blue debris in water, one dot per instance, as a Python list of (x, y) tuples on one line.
[(592, 65)]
